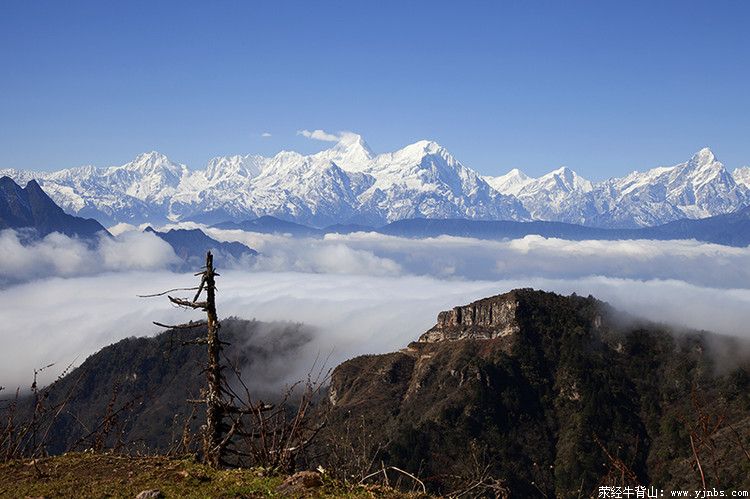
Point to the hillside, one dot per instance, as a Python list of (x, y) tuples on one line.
[(553, 394), (145, 382)]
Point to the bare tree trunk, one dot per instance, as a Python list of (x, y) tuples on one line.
[(215, 438), (214, 401)]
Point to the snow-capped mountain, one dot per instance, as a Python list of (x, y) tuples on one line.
[(698, 188), (510, 183), (344, 184), (423, 180), (741, 175), (134, 192), (348, 183), (554, 196)]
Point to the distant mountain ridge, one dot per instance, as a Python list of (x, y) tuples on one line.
[(731, 229), (30, 208), (349, 184), (191, 246), (271, 225)]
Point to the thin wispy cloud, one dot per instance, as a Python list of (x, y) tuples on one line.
[(265, 135)]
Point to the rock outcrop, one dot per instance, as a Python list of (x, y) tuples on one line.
[(484, 319), (300, 484)]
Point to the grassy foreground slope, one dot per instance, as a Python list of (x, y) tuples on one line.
[(90, 475)]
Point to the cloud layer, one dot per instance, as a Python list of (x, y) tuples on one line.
[(363, 293), (532, 256), (60, 255), (65, 320)]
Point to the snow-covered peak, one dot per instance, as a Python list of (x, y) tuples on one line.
[(150, 162), (151, 156), (741, 175), (703, 157), (353, 143), (284, 156), (150, 176), (510, 183), (706, 169), (701, 169), (415, 153), (223, 167), (422, 148), (563, 180), (351, 152)]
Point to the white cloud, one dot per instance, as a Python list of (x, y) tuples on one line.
[(60, 255), (320, 135), (532, 256), (380, 255), (364, 292), (265, 135), (65, 320)]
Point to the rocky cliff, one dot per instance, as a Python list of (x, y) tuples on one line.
[(484, 319)]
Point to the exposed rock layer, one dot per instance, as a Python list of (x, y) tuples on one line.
[(484, 319)]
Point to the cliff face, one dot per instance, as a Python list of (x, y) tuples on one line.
[(484, 319), (549, 393)]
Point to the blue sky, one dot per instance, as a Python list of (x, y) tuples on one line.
[(603, 87)]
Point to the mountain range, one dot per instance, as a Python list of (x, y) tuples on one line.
[(33, 214), (349, 184), (731, 229)]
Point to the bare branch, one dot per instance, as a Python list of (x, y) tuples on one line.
[(167, 291), (185, 303), (200, 288), (187, 325)]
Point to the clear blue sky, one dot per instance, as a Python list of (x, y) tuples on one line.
[(604, 87)]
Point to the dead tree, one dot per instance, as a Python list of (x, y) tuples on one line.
[(266, 435), (216, 432)]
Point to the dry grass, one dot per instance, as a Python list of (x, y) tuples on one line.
[(88, 474)]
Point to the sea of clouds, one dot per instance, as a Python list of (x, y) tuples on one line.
[(63, 300)]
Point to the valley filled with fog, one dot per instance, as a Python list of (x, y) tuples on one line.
[(64, 299)]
